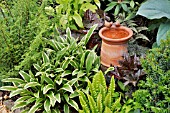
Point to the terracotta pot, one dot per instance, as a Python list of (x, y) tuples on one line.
[(114, 43)]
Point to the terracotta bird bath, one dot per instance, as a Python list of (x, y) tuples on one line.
[(114, 43)]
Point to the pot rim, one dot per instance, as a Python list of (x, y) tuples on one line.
[(116, 40)]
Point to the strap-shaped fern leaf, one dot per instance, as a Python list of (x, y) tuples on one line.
[(92, 104), (99, 103), (111, 89)]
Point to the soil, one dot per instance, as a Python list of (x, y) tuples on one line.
[(115, 33)]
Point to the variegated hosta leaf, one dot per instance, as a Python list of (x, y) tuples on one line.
[(8, 88), (19, 105), (66, 108), (47, 88), (25, 76), (31, 84), (17, 80), (52, 98), (68, 88), (45, 58), (90, 60), (47, 105), (35, 107), (73, 104)]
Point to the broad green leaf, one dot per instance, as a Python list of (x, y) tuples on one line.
[(19, 105), (8, 88), (78, 19), (132, 4), (121, 85), (82, 60), (66, 97), (58, 98), (47, 105), (155, 9), (35, 107), (66, 108), (162, 31), (25, 76), (67, 87), (97, 2), (109, 69), (86, 6), (117, 10), (16, 92), (124, 6), (47, 88), (31, 84), (52, 98), (45, 58), (89, 61), (17, 80), (73, 104)]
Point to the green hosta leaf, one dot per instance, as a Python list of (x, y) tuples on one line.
[(92, 104), (19, 105), (56, 110), (89, 61), (78, 19), (86, 38), (59, 81), (71, 82), (45, 58), (8, 88), (47, 88), (58, 98), (21, 99), (16, 92), (35, 107), (32, 99), (52, 98), (75, 72), (82, 60), (65, 64), (155, 9), (80, 74), (73, 104), (47, 105), (37, 95), (162, 31), (121, 85), (17, 80), (74, 64), (59, 70), (66, 97), (25, 76), (66, 72), (66, 108), (31, 84), (109, 69), (48, 80), (75, 94), (111, 6), (37, 67), (67, 87)]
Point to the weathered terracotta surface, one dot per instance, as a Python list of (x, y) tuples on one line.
[(114, 44)]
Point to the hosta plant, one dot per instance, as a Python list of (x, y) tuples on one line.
[(54, 82), (100, 99)]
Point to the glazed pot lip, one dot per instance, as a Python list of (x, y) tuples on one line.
[(116, 40)]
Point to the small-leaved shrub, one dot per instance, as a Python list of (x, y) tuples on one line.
[(154, 93)]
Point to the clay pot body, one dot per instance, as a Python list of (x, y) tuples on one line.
[(114, 44)]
